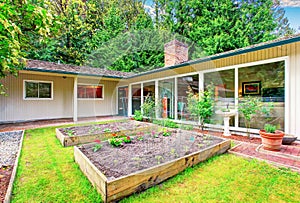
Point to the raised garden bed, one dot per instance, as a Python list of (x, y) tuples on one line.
[(117, 172), (85, 134), (10, 148)]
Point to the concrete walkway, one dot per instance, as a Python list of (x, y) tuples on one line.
[(54, 122)]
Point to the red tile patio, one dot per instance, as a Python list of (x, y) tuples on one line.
[(288, 156)]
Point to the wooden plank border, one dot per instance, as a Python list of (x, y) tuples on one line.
[(114, 190)]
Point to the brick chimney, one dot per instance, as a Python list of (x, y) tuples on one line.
[(176, 52)]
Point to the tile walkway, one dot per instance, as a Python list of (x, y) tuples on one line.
[(288, 156), (54, 122)]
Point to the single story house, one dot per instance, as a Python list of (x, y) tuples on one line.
[(46, 90)]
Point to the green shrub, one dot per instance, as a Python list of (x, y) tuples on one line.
[(270, 128), (138, 115)]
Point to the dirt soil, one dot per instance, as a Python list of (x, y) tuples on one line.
[(153, 149), (102, 128), (5, 173)]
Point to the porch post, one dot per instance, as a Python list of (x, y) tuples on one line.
[(156, 99), (176, 99), (129, 100), (75, 105)]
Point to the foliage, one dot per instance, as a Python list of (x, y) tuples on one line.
[(165, 132), (97, 146), (116, 141), (107, 130), (148, 107), (270, 128), (250, 106), (201, 105), (18, 21), (138, 115), (70, 132)]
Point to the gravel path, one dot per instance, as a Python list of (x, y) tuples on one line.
[(9, 145)]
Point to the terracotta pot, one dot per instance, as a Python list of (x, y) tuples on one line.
[(271, 141)]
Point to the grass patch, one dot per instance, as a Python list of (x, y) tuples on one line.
[(47, 173)]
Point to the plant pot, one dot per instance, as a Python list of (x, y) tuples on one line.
[(287, 140), (271, 141)]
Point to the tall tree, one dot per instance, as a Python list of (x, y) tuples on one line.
[(18, 21)]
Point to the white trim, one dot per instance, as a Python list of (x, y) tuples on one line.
[(37, 98), (236, 95), (156, 98), (75, 102), (244, 65), (129, 100), (91, 99), (176, 98), (142, 96), (287, 95)]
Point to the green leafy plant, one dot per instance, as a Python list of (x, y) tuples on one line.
[(107, 130), (97, 146), (148, 107), (201, 105), (127, 139), (70, 132), (159, 159), (251, 106), (165, 132), (116, 141), (270, 128), (169, 123), (138, 115)]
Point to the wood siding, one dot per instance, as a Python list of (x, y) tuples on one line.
[(15, 108)]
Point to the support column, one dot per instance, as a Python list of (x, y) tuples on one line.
[(176, 99), (75, 102), (129, 100), (156, 98)]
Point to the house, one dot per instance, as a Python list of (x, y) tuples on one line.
[(268, 70)]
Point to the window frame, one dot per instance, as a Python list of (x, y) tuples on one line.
[(87, 84), (37, 98)]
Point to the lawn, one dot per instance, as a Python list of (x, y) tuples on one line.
[(47, 173)]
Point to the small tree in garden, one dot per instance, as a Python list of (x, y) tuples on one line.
[(201, 105), (148, 107), (249, 107)]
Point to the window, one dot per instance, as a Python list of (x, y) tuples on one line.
[(37, 89), (90, 91)]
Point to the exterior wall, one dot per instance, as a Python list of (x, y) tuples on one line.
[(107, 106), (14, 108), (292, 76)]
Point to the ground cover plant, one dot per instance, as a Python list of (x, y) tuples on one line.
[(47, 173)]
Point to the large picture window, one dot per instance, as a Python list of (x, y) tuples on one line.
[(37, 89), (86, 91)]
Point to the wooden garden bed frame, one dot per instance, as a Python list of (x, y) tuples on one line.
[(113, 190)]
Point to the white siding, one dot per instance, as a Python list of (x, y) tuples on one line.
[(107, 106), (14, 108)]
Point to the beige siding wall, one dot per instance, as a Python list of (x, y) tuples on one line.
[(15, 108), (107, 106)]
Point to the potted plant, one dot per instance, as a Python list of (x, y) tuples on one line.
[(271, 138)]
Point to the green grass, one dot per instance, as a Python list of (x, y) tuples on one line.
[(47, 173)]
